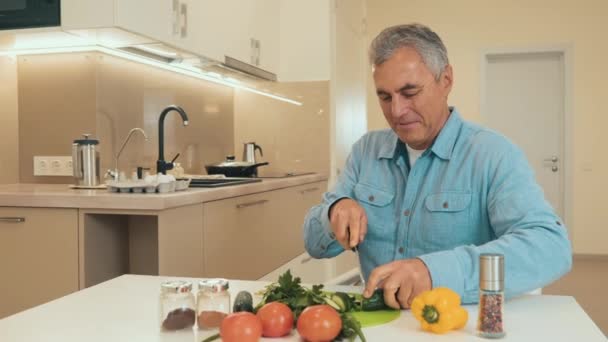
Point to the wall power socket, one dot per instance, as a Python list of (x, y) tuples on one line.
[(53, 166)]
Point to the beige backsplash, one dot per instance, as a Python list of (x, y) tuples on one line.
[(62, 96), (293, 138)]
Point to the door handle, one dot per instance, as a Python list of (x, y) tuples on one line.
[(12, 219), (553, 159), (250, 204)]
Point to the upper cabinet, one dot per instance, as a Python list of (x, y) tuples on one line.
[(86, 14), (287, 38), (157, 19), (246, 30)]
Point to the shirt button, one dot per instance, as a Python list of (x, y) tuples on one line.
[(406, 212), (371, 198), (332, 235), (558, 223), (445, 205), (401, 249)]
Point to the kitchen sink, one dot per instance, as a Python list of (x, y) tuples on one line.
[(218, 182)]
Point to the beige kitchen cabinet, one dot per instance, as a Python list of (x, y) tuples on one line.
[(275, 35), (254, 33), (308, 269), (38, 256), (247, 30), (157, 19), (247, 237), (95, 23), (86, 14)]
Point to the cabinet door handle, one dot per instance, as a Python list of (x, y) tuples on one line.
[(250, 204), (252, 50), (184, 17), (12, 219), (308, 190), (176, 19), (258, 52)]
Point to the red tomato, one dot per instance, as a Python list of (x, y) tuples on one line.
[(319, 323), (277, 319), (241, 327)]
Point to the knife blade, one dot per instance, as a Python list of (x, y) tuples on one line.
[(356, 251)]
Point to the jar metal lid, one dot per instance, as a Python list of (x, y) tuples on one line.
[(176, 286), (491, 271), (213, 285)]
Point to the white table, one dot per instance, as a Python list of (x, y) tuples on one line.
[(126, 309)]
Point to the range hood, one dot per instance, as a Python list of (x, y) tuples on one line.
[(248, 69), (232, 72), (231, 67)]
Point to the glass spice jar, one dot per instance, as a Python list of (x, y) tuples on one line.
[(177, 307), (491, 296), (213, 303)]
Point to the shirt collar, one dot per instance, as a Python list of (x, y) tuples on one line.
[(442, 147), (445, 141), (391, 148)]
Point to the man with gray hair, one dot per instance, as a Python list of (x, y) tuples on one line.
[(422, 200)]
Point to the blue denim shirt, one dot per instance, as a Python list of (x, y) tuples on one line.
[(471, 192)]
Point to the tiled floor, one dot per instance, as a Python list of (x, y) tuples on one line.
[(587, 283)]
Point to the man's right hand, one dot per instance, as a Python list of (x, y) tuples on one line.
[(348, 222)]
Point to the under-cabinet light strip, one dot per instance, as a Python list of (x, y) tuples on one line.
[(135, 58)]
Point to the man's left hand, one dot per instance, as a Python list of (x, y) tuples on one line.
[(402, 281)]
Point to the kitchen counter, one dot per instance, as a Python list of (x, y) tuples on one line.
[(126, 309), (61, 196)]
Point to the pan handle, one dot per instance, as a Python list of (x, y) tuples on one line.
[(255, 165)]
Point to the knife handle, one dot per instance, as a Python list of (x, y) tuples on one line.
[(356, 248)]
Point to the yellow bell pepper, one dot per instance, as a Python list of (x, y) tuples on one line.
[(439, 310)]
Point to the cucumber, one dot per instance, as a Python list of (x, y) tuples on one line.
[(329, 301), (243, 302), (375, 302), (344, 300)]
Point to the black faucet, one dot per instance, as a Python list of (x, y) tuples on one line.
[(161, 165)]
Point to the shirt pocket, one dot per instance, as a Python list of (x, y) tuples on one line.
[(377, 203), (447, 219)]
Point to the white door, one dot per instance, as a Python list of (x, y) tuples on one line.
[(524, 100)]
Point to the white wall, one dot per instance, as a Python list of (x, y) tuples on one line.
[(304, 42), (348, 93)]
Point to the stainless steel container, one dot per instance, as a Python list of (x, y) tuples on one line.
[(490, 321), (249, 152), (85, 161), (491, 272)]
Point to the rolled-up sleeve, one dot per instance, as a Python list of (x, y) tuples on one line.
[(532, 238), (319, 239)]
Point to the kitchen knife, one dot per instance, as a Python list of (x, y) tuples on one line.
[(356, 251)]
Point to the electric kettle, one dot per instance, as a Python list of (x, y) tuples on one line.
[(249, 152), (85, 161)]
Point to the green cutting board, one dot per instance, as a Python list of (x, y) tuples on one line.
[(373, 318)]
